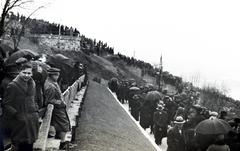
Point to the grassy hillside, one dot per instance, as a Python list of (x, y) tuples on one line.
[(109, 66)]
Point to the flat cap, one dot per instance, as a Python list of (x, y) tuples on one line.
[(53, 71), (21, 60)]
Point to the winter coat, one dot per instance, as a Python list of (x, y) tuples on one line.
[(145, 116), (20, 111), (175, 140), (189, 130), (171, 108), (60, 119), (160, 118), (4, 84), (135, 102), (39, 79), (121, 91)]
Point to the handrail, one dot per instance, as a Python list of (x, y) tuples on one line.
[(40, 144), (68, 96)]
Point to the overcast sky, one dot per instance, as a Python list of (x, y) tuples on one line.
[(196, 38)]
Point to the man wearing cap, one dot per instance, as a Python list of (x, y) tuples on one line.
[(175, 140), (53, 95), (20, 111), (12, 70)]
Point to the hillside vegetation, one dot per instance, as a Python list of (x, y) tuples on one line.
[(103, 63)]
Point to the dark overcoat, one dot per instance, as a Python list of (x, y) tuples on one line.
[(175, 140), (160, 118), (145, 116), (20, 111), (135, 108), (60, 119)]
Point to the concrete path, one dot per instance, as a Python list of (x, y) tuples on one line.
[(105, 126)]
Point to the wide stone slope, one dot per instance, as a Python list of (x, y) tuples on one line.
[(105, 125)]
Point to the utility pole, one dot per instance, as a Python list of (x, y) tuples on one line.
[(160, 73), (59, 34), (133, 53)]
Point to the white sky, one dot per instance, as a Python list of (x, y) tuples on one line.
[(196, 38)]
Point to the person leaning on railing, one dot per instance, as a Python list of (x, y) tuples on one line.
[(53, 95)]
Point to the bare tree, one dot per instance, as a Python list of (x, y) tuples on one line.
[(7, 7), (195, 79), (17, 29), (224, 89)]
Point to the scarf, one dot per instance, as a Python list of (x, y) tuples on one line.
[(27, 86)]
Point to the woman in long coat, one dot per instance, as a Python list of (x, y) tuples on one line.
[(20, 111)]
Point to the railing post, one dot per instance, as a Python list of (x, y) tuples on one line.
[(40, 144)]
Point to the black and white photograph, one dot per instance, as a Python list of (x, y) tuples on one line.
[(119, 75)]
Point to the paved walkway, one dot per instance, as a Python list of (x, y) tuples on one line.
[(105, 125)]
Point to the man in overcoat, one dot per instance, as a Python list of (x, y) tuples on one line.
[(160, 118), (20, 110), (53, 95), (175, 139), (135, 109)]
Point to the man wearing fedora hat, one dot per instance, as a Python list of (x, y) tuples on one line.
[(175, 139), (53, 95)]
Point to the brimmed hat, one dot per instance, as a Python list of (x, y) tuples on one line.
[(53, 71), (179, 120), (213, 113)]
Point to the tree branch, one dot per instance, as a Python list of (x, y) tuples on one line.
[(16, 4), (40, 7), (11, 5), (17, 38)]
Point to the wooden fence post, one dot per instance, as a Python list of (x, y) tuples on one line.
[(40, 144)]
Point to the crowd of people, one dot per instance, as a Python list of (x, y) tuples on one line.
[(27, 86), (176, 117)]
